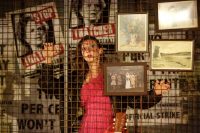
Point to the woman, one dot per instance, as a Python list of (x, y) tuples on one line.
[(98, 113)]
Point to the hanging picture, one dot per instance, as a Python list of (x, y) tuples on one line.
[(177, 15), (172, 55), (125, 79), (132, 32)]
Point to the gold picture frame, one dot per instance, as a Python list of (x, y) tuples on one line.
[(132, 32), (172, 55)]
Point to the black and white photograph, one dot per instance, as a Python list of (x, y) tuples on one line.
[(30, 34), (85, 13), (125, 79)]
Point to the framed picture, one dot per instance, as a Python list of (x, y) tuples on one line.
[(125, 79), (175, 55), (132, 32), (177, 15)]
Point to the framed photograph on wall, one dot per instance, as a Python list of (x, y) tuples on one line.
[(125, 79), (177, 55), (177, 15), (132, 32)]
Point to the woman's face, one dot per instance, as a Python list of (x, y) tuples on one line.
[(127, 75), (35, 33), (90, 51), (91, 11)]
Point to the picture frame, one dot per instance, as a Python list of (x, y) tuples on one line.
[(125, 79), (176, 15), (172, 55), (132, 32)]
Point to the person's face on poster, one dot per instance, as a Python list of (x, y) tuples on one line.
[(92, 11), (35, 33)]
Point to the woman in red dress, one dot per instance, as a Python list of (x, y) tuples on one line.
[(98, 112)]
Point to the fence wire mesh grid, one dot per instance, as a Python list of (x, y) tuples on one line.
[(42, 75)]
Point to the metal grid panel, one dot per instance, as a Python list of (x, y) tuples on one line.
[(32, 88), (182, 98), (184, 85)]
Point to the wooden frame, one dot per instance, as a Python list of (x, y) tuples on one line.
[(125, 79), (132, 32), (174, 15), (172, 55)]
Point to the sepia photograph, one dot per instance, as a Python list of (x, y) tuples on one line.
[(125, 79), (172, 55), (132, 32), (177, 15)]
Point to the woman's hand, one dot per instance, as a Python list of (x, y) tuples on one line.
[(161, 87), (48, 52)]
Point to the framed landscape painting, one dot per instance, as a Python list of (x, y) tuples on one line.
[(172, 55)]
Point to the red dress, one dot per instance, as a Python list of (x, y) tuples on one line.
[(98, 115)]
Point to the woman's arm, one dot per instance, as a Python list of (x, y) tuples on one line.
[(120, 103)]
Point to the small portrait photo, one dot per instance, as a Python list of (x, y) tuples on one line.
[(125, 79), (31, 35)]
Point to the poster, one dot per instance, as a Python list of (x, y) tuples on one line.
[(94, 18), (36, 86), (169, 110), (6, 66), (97, 20), (32, 28)]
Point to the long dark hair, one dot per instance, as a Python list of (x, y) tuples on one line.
[(82, 65), (21, 32)]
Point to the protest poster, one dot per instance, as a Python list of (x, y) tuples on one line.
[(6, 66), (169, 110), (99, 23), (36, 86), (32, 28)]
